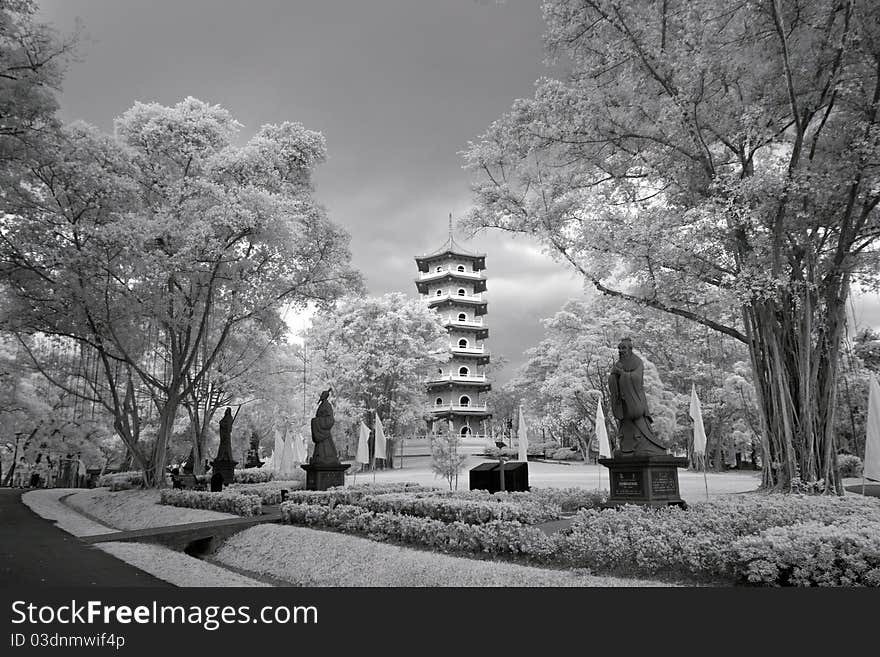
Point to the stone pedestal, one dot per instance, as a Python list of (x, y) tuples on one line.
[(322, 477), (648, 480), (226, 468)]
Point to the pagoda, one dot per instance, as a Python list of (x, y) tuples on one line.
[(452, 282)]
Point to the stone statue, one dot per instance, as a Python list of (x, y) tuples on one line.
[(325, 450), (630, 405), (224, 452)]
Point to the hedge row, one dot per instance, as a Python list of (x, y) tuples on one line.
[(252, 475), (778, 540), (225, 502), (269, 492), (472, 512), (494, 537), (723, 538)]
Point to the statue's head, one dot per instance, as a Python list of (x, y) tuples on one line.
[(325, 394), (625, 348), (228, 411)]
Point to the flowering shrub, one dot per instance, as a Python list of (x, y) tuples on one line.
[(252, 475), (811, 554), (494, 537), (242, 505), (122, 480), (849, 465)]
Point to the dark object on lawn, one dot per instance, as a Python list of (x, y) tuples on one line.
[(217, 482), (487, 476)]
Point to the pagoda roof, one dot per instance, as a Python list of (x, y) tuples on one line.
[(452, 248)]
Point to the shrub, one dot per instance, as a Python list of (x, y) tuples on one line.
[(565, 454), (252, 476), (122, 480), (495, 537), (849, 465), (268, 492), (811, 554), (226, 502), (699, 540), (448, 509)]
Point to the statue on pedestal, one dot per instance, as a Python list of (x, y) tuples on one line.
[(224, 463), (630, 405), (325, 451)]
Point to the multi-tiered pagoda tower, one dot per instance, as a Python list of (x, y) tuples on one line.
[(452, 281)]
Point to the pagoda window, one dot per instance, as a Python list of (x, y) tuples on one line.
[(465, 431), (463, 343), (439, 401), (439, 293), (463, 371), (461, 292), (462, 317), (439, 269), (464, 401), (460, 268)]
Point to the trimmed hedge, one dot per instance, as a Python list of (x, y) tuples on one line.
[(778, 540), (268, 492), (472, 512), (225, 502), (494, 537), (252, 475), (701, 540)]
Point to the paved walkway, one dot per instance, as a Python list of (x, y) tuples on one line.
[(33, 551)]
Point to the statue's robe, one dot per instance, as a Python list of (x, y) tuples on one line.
[(325, 450), (630, 406)]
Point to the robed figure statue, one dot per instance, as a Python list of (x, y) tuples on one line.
[(224, 452), (630, 405), (325, 450)]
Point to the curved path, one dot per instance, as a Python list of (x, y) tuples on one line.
[(34, 552)]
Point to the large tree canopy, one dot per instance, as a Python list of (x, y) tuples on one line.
[(376, 353), (718, 162), (151, 247)]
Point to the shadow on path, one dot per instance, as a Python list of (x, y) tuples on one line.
[(34, 552)]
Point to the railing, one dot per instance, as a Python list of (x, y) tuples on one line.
[(431, 275), (468, 350), (472, 298), (457, 408), (476, 321), (469, 378)]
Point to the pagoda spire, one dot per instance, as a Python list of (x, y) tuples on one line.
[(450, 227)]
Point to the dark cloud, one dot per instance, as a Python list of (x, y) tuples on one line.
[(398, 88)]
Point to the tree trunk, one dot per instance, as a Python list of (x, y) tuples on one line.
[(794, 347), (154, 475)]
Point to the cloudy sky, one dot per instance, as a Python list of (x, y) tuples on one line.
[(397, 87)]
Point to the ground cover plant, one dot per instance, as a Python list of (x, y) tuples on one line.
[(751, 539)]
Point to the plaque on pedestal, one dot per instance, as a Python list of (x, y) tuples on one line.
[(651, 480), (322, 477)]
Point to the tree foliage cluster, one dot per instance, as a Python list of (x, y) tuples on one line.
[(718, 163)]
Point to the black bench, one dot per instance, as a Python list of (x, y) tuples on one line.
[(186, 482)]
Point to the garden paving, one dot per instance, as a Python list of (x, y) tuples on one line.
[(34, 552)]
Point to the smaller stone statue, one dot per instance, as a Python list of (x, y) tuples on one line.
[(325, 451), (224, 452)]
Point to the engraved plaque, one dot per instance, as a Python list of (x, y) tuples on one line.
[(628, 484), (663, 482)]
